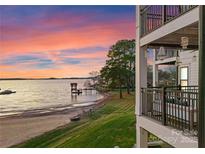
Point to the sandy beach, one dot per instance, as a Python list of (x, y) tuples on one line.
[(16, 129)]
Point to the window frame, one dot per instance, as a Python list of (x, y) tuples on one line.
[(187, 80)]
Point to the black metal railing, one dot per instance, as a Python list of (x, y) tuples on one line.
[(173, 106), (154, 16)]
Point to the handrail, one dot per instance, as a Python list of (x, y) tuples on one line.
[(195, 86)]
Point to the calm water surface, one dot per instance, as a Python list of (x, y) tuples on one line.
[(42, 96)]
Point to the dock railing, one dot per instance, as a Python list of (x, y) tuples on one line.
[(172, 106)]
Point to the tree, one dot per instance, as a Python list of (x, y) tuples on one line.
[(94, 77), (119, 70), (129, 60)]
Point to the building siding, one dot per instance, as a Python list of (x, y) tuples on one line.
[(187, 59)]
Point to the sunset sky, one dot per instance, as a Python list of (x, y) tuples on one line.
[(60, 41)]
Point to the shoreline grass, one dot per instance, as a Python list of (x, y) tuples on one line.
[(109, 126)]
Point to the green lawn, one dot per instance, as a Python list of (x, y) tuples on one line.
[(112, 125)]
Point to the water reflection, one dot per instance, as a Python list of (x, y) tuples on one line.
[(38, 94)]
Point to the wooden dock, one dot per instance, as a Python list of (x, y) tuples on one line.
[(75, 90)]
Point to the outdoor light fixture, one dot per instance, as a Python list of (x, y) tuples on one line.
[(184, 42), (162, 53)]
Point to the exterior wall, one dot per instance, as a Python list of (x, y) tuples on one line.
[(191, 59)]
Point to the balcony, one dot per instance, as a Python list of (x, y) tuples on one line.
[(153, 17), (176, 107)]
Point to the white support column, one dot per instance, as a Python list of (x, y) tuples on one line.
[(155, 70), (141, 81), (141, 68), (142, 138)]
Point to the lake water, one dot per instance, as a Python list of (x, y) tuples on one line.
[(42, 96)]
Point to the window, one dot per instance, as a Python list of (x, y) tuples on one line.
[(184, 76)]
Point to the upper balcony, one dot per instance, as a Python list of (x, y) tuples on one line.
[(153, 17)]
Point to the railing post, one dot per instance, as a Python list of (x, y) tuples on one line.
[(143, 103), (163, 107), (163, 14), (146, 102)]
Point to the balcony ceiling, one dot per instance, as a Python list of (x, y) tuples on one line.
[(174, 39)]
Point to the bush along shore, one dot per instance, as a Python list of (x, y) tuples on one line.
[(112, 125)]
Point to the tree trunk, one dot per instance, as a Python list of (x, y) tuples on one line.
[(120, 86), (128, 86), (120, 91), (133, 83)]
